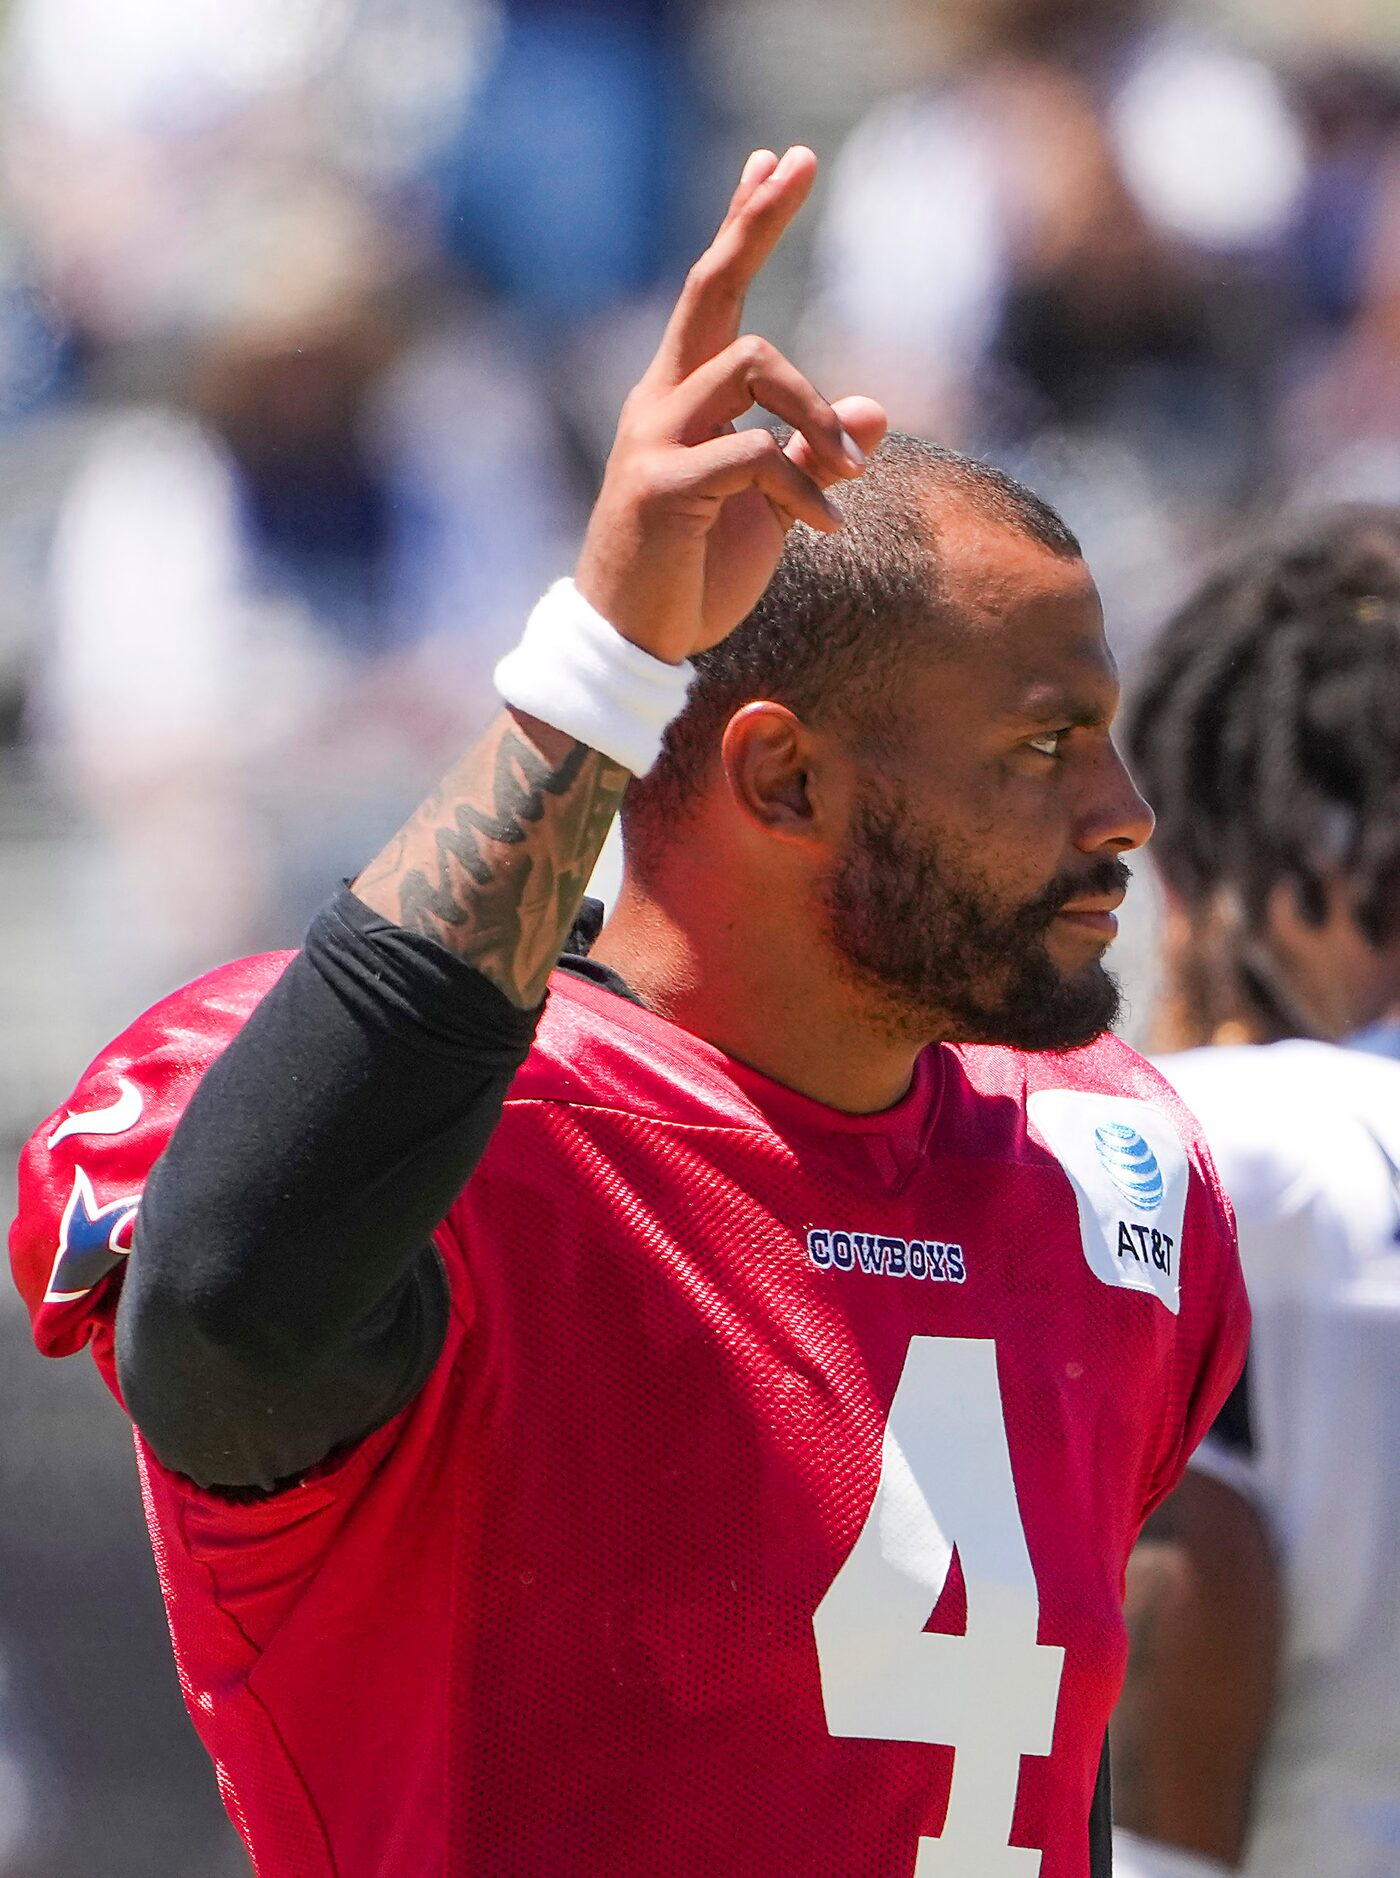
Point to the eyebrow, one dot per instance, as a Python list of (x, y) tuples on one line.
[(1046, 706)]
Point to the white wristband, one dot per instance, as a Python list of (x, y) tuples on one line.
[(571, 669)]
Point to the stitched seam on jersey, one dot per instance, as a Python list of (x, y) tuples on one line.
[(757, 1127), (762, 1126), (794, 1143), (193, 1553), (332, 1870), (289, 1760), (765, 1129)]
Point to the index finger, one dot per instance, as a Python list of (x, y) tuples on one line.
[(707, 315)]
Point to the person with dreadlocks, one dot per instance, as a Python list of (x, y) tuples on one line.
[(1260, 1723)]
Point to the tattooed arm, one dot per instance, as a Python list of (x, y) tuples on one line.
[(283, 1298), (684, 537), (286, 1299), (493, 865)]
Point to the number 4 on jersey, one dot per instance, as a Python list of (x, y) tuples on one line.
[(990, 1694)]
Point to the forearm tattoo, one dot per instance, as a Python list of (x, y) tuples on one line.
[(493, 865)]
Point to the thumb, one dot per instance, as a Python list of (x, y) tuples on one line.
[(862, 418)]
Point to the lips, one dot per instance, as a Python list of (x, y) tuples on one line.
[(1093, 915), (1096, 904)]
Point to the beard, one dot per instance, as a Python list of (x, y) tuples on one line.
[(950, 962)]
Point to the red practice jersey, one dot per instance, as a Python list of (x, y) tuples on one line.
[(767, 1512)]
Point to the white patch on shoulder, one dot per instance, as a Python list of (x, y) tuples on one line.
[(115, 1119), (1130, 1175)]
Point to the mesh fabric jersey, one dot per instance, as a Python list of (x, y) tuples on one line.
[(767, 1511)]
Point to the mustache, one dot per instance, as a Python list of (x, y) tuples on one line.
[(1109, 875)]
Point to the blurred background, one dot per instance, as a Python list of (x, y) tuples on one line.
[(314, 320)]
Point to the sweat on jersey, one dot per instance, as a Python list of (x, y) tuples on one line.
[(766, 1510)]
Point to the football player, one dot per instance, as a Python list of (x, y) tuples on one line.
[(1260, 1727), (696, 1423)]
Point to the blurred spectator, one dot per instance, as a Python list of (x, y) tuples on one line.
[(1340, 429), (307, 484), (1066, 254), (565, 188), (1260, 1722), (327, 488), (565, 191), (276, 609)]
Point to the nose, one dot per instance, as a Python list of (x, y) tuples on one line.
[(1115, 815)]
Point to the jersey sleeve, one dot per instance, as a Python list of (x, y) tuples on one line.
[(83, 1171), (1193, 1283), (1215, 1323)]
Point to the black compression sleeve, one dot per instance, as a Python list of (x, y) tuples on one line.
[(1233, 1427), (283, 1297), (1101, 1821)]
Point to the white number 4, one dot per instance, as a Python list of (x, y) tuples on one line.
[(991, 1694)]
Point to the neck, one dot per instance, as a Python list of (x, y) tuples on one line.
[(758, 988)]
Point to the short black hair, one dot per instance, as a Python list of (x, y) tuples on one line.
[(1265, 731), (828, 635)]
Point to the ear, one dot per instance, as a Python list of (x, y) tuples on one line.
[(777, 771)]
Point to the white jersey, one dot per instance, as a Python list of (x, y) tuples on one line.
[(1307, 1140)]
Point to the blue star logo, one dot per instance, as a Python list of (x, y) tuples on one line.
[(92, 1240)]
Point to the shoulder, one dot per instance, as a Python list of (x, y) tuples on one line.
[(1107, 1068), (1278, 1095), (83, 1169), (1295, 1123), (1129, 1147), (165, 1051), (1219, 1075)]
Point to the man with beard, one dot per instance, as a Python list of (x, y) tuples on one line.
[(697, 1425)]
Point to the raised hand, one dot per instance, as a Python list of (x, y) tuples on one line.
[(685, 536), (689, 524)]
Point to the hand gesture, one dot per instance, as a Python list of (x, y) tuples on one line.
[(689, 524)]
